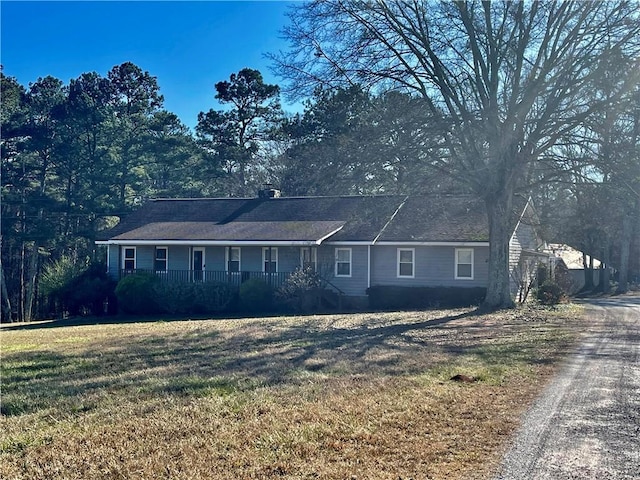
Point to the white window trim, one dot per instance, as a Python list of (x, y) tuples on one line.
[(135, 257), (456, 263), (166, 258), (350, 262), (227, 259), (413, 262), (314, 256), (274, 253)]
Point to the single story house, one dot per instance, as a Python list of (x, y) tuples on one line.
[(353, 242)]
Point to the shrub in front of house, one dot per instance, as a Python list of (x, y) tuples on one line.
[(90, 290), (136, 293), (393, 297), (212, 297), (299, 291), (255, 296), (186, 297), (562, 278), (550, 293)]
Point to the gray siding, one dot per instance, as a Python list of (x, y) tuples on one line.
[(433, 267), (179, 257), (113, 268), (215, 258), (357, 283), (145, 257), (251, 259)]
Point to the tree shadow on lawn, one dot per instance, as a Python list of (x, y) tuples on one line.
[(207, 360)]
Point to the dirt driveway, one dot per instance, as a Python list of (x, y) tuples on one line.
[(586, 425)]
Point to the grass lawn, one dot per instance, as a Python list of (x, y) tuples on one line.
[(349, 396)]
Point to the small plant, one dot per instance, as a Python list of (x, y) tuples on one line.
[(297, 290), (255, 296)]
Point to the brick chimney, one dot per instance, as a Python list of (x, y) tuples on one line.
[(268, 191)]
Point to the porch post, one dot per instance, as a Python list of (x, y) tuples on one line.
[(270, 264)]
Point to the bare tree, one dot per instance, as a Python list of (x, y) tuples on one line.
[(509, 79)]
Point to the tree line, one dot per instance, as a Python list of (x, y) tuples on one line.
[(486, 98)]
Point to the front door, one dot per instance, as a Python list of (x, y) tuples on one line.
[(198, 264)]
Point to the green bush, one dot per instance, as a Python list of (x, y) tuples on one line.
[(396, 297), (76, 287), (550, 293), (255, 296), (182, 297), (89, 291), (212, 297), (136, 293), (563, 278)]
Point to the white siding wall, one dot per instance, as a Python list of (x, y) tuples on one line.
[(524, 237)]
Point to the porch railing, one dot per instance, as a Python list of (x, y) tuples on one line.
[(275, 279)]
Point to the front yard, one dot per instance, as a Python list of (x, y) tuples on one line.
[(350, 396)]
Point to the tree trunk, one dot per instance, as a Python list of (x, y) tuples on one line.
[(625, 245), (498, 288), (588, 272), (6, 302), (30, 285), (605, 273)]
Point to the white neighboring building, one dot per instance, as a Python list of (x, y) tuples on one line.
[(575, 260)]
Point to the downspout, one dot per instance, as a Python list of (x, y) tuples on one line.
[(368, 267)]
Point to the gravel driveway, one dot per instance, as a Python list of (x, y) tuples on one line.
[(586, 424)]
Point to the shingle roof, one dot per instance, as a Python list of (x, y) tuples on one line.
[(235, 231), (384, 218), (441, 218)]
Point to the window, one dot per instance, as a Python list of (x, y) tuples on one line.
[(343, 262), (233, 259), (309, 257), (405, 262), (464, 264), (160, 264), (129, 258), (270, 259)]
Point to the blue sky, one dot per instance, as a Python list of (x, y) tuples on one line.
[(188, 46)]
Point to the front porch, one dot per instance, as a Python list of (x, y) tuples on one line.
[(273, 279)]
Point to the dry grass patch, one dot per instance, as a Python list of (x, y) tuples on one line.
[(333, 397)]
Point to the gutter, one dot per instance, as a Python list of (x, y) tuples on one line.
[(206, 243)]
